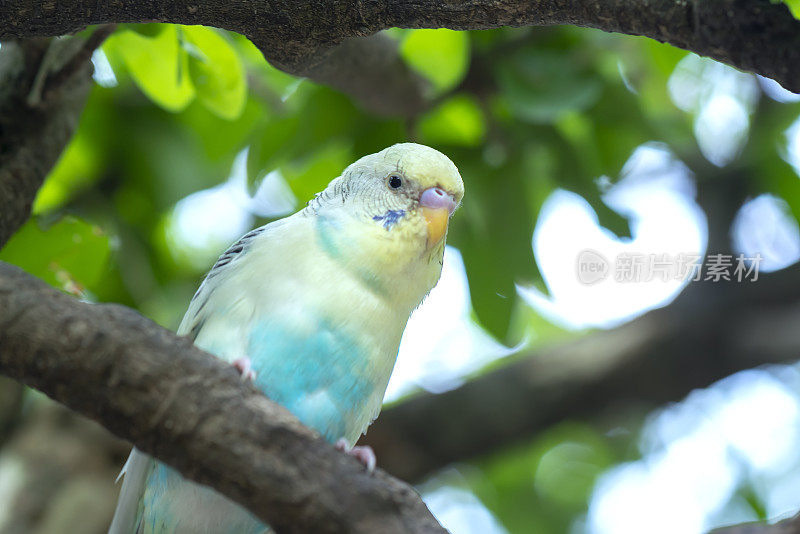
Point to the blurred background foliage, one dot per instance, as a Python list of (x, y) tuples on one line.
[(183, 102), (190, 139)]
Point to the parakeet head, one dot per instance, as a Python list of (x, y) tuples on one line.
[(388, 214), (407, 189)]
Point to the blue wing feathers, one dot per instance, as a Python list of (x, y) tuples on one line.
[(320, 378)]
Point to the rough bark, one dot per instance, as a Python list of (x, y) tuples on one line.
[(711, 331), (192, 411), (299, 36), (33, 132)]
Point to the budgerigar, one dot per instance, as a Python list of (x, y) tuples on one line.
[(312, 307)]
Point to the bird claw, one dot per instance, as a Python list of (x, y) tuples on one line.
[(245, 368), (363, 454)]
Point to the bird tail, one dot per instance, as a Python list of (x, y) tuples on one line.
[(135, 470)]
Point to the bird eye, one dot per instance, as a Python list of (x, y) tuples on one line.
[(395, 181)]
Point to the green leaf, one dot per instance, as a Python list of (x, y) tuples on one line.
[(312, 174), (77, 168), (457, 121), (275, 81), (541, 86), (326, 116), (267, 151), (148, 29), (216, 71), (793, 5), (70, 255), (158, 65), (220, 137), (493, 232), (441, 56)]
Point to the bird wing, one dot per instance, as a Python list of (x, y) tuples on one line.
[(139, 465), (195, 316)]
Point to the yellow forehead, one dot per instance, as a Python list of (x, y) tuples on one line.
[(426, 166)]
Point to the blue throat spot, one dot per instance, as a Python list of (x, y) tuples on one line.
[(390, 218)]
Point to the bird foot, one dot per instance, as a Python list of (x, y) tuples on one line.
[(245, 368), (363, 454)]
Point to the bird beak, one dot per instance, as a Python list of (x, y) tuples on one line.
[(437, 206)]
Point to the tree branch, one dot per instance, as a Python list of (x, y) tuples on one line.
[(370, 70), (33, 136), (192, 411), (711, 331), (298, 36), (787, 526)]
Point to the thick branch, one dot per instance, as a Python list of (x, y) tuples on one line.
[(753, 35), (710, 332), (297, 35), (192, 411)]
